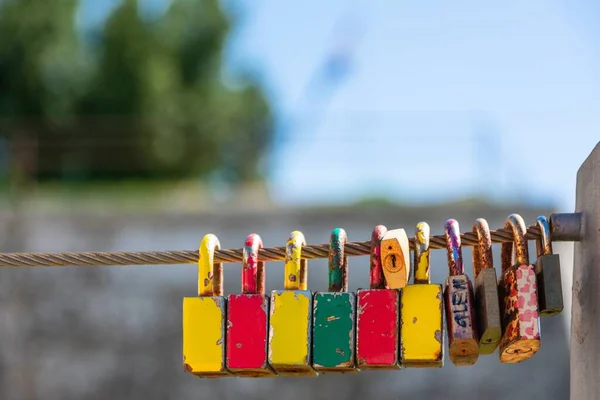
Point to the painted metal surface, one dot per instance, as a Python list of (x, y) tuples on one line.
[(210, 274), (460, 308), (487, 303), (376, 277), (421, 326), (295, 267), (204, 336), (377, 326), (204, 317), (421, 312), (333, 316), (333, 332), (290, 332), (247, 332), (377, 315), (395, 258), (520, 312), (547, 271), (290, 316), (247, 317), (253, 270)]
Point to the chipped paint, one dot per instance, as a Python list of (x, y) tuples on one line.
[(377, 325), (247, 330), (421, 326), (334, 332), (210, 274), (521, 338), (289, 349), (520, 311), (295, 277), (203, 334), (463, 341)]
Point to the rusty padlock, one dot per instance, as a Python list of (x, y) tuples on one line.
[(421, 311), (290, 320), (518, 288), (487, 303), (204, 317), (378, 315), (460, 307), (248, 318), (334, 334), (547, 271)]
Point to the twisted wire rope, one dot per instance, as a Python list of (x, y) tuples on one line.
[(168, 257)]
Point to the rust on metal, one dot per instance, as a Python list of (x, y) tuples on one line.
[(482, 251), (520, 310), (453, 248), (517, 225), (376, 279)]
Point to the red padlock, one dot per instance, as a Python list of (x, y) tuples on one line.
[(378, 316), (248, 317)]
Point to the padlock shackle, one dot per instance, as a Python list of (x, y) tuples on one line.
[(210, 273), (253, 270), (295, 267), (516, 223), (376, 276), (421, 254), (338, 261), (482, 251), (454, 248), (544, 245)]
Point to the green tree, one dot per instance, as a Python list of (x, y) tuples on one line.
[(168, 73), (147, 99)]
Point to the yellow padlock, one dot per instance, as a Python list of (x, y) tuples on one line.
[(290, 320), (204, 317), (421, 312)]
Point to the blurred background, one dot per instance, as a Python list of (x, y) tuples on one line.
[(143, 125)]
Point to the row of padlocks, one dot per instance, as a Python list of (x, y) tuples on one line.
[(392, 324)]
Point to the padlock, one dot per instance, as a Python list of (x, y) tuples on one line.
[(421, 311), (395, 258), (520, 312), (460, 308), (290, 316), (378, 315), (547, 271), (204, 317), (248, 318), (333, 315), (487, 304)]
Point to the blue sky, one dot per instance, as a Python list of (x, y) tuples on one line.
[(500, 99)]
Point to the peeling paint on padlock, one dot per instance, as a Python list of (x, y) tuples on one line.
[(290, 319), (247, 317), (520, 319), (378, 316), (204, 319), (421, 311), (463, 341), (333, 314)]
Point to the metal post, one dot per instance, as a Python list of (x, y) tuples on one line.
[(585, 324)]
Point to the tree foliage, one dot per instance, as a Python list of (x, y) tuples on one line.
[(146, 99)]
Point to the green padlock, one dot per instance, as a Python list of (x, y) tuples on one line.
[(334, 333)]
